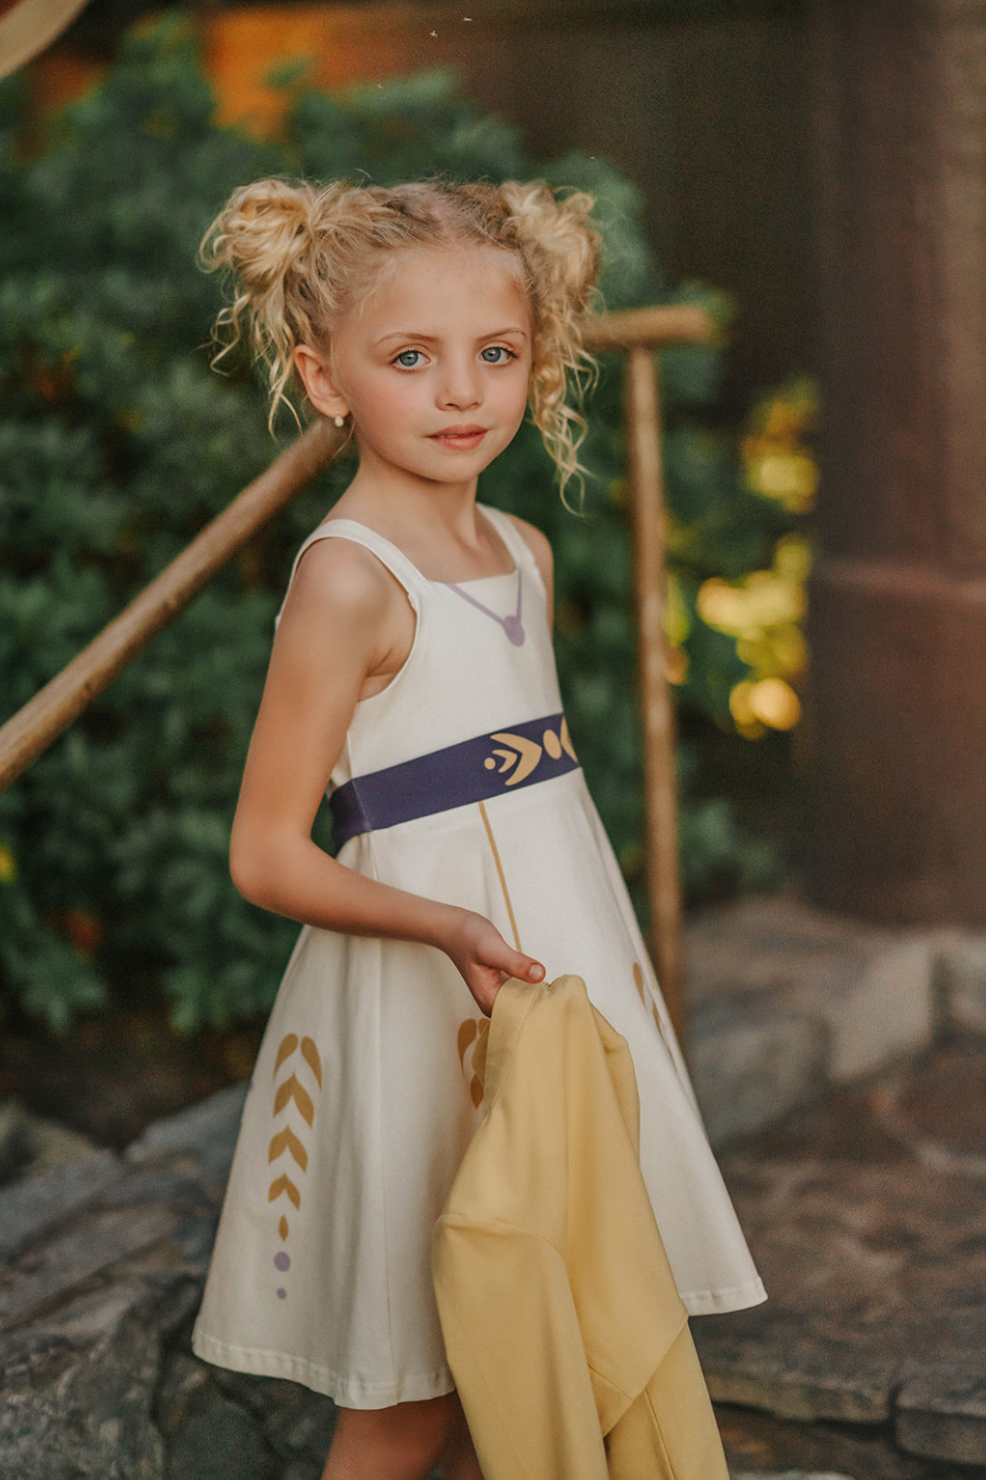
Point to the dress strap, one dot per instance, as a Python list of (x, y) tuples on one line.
[(513, 539), (401, 568)]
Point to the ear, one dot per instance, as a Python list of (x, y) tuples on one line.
[(319, 384)]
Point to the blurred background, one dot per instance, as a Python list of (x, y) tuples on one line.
[(121, 140)]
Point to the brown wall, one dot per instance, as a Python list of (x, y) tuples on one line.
[(899, 602)]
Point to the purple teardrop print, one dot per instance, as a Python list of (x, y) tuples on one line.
[(282, 1294), (282, 1261), (514, 628)]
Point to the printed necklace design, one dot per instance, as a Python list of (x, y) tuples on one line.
[(512, 624)]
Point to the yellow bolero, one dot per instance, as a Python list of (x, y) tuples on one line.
[(565, 1334)]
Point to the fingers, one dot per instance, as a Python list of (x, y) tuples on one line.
[(528, 970), (498, 954), (524, 968)]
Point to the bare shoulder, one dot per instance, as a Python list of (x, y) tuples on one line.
[(340, 582), (539, 544)]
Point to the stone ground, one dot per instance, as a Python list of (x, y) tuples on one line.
[(843, 1072), (867, 1216)]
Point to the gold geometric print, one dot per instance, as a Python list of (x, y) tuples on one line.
[(310, 1055), (287, 1048), (284, 1184), (466, 1034), (566, 741), (524, 755), (528, 754), (290, 1095), (286, 1140), (638, 981), (471, 1033), (293, 1089)]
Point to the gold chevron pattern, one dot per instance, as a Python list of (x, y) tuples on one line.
[(284, 1185), (293, 1089), (286, 1140), (524, 756), (292, 1099)]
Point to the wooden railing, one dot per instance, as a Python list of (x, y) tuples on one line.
[(635, 333)]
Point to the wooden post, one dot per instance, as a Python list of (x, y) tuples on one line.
[(61, 701), (643, 432)]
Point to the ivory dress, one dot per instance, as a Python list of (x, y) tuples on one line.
[(457, 782)]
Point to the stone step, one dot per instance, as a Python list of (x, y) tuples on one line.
[(867, 1218), (786, 1002)]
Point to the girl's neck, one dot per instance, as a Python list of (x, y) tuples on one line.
[(438, 526)]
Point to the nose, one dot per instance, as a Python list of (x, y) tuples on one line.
[(459, 386)]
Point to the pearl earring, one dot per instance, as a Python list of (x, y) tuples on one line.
[(339, 421)]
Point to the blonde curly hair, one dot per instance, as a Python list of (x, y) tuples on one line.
[(304, 256)]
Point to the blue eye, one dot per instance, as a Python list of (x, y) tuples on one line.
[(408, 359), (497, 354)]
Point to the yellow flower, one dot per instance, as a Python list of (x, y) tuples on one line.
[(768, 703), (8, 865)]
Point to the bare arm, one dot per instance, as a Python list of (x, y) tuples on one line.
[(346, 629)]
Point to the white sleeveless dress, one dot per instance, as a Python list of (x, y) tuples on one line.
[(363, 1099)]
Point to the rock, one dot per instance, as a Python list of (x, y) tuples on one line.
[(53, 1145), (785, 1475), (961, 977), (37, 1203), (76, 1397), (879, 1006), (93, 1246), (297, 1423), (867, 1218), (203, 1137), (751, 1064), (870, 988), (14, 1147), (309, 1469), (32, 1143), (756, 1442), (216, 1439), (182, 1377), (942, 1413), (774, 1363)]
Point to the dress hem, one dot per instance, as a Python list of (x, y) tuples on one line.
[(721, 1302), (260, 1362)]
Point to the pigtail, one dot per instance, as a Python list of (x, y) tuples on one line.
[(267, 240), (561, 252)]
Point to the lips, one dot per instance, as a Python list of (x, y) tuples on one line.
[(459, 438)]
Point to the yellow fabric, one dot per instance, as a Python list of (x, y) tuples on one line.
[(566, 1336)]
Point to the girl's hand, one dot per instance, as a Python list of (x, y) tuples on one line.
[(483, 958)]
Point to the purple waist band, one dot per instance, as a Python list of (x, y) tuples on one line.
[(473, 771)]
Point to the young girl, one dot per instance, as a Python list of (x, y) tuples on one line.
[(412, 676)]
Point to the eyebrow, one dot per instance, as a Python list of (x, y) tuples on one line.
[(514, 329)]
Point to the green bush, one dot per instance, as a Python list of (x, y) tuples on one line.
[(118, 442)]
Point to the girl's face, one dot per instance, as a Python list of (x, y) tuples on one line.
[(434, 368)]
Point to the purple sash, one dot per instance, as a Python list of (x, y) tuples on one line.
[(472, 771)]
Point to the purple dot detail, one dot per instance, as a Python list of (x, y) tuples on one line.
[(282, 1294), (514, 628), (282, 1261)]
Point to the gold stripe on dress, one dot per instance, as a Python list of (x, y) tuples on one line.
[(502, 876)]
